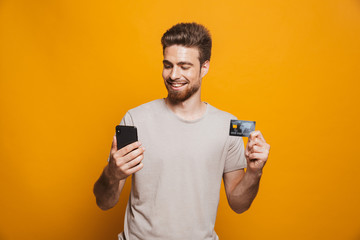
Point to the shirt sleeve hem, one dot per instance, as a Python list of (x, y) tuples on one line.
[(234, 169)]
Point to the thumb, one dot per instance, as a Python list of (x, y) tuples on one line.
[(114, 145)]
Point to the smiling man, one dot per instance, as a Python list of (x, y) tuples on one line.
[(176, 182)]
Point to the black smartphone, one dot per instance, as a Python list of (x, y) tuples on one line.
[(125, 135)]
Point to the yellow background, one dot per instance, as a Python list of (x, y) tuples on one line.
[(69, 70)]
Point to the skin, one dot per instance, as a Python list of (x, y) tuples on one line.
[(182, 65), (182, 74), (241, 187), (122, 163)]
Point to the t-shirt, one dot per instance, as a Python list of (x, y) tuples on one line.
[(176, 194)]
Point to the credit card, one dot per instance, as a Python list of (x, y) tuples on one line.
[(241, 128)]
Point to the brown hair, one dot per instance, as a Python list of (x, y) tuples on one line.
[(189, 35)]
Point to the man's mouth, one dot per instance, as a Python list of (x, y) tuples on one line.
[(177, 85)]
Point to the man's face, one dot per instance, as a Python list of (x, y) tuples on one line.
[(182, 72)]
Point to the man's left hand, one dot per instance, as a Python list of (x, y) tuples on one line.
[(256, 152)]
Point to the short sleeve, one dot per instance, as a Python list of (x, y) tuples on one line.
[(127, 120), (235, 157)]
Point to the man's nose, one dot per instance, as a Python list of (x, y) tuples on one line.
[(175, 73)]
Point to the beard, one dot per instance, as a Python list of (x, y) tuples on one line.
[(181, 96)]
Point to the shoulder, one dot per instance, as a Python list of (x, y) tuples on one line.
[(222, 120), (142, 112), (147, 107), (147, 111), (220, 114)]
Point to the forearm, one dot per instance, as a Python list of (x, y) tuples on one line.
[(243, 194), (107, 190)]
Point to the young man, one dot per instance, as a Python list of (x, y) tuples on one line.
[(176, 182)]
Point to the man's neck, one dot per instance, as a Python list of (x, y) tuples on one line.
[(190, 109)]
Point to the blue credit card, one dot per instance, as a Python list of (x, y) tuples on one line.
[(241, 128)]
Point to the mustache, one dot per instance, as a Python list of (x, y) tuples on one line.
[(169, 80)]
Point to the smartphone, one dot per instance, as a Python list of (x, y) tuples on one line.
[(125, 135)]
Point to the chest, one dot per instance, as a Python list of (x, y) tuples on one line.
[(188, 147)]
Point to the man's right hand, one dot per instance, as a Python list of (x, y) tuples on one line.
[(125, 161)]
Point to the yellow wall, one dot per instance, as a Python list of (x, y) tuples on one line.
[(69, 70)]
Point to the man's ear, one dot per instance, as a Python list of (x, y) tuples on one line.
[(204, 68)]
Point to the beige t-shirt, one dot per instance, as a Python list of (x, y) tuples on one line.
[(176, 194)]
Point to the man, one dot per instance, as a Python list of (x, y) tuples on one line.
[(176, 182)]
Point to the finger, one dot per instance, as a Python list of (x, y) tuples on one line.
[(252, 143), (128, 148), (257, 149), (256, 134), (134, 154), (257, 142), (247, 153), (135, 169), (253, 135), (256, 156), (135, 161), (261, 137), (114, 145)]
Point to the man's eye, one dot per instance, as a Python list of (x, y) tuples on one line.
[(167, 66), (185, 68)]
